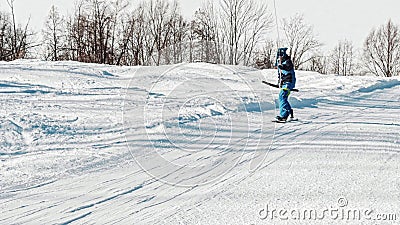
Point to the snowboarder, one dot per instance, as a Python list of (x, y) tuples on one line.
[(287, 82)]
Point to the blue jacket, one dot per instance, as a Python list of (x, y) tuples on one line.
[(286, 70)]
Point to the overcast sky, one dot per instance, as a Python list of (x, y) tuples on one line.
[(333, 20)]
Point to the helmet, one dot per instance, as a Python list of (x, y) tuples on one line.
[(282, 51)]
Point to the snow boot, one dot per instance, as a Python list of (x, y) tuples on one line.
[(280, 119)]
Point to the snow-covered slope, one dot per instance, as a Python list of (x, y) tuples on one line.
[(192, 144)]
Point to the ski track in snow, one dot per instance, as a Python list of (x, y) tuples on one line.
[(85, 143)]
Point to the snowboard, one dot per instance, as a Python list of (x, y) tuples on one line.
[(277, 86), (287, 121)]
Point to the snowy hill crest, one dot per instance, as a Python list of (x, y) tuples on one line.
[(155, 145)]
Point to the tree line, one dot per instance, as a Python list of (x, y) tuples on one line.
[(15, 39), (154, 32), (380, 54)]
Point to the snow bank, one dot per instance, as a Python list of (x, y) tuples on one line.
[(172, 144)]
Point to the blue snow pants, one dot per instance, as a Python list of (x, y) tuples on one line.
[(284, 105)]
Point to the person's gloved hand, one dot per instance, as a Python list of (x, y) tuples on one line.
[(280, 66)]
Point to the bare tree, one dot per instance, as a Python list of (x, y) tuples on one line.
[(319, 63), (76, 27), (137, 36), (204, 36), (6, 41), (118, 7), (53, 35), (20, 36), (243, 24), (101, 28), (382, 50), (342, 58), (265, 58), (124, 56), (159, 15), (259, 23), (177, 44), (300, 39), (94, 31), (14, 28)]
